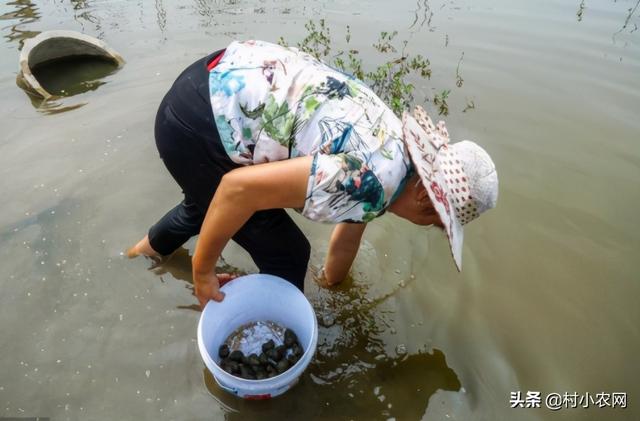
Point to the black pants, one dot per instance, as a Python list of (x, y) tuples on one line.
[(190, 147)]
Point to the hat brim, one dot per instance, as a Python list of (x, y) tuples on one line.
[(425, 149)]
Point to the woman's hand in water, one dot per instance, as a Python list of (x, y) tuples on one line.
[(207, 286)]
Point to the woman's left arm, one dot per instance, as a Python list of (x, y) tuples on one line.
[(241, 193)]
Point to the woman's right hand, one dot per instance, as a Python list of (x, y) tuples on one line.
[(207, 287)]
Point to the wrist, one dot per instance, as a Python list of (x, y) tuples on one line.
[(201, 267)]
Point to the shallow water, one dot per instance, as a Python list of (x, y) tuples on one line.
[(548, 297)]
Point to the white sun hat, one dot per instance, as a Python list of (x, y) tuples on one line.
[(460, 178)]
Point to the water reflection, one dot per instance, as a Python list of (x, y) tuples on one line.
[(161, 16), (580, 11), (26, 12), (45, 106), (424, 14), (630, 13), (82, 13), (397, 388), (627, 20)]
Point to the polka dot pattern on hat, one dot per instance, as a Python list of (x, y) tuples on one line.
[(481, 173), (457, 185)]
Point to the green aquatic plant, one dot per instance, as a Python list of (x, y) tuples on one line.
[(459, 79), (470, 106), (318, 38), (440, 101), (389, 80)]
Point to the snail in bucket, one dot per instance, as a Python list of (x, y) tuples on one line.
[(273, 360)]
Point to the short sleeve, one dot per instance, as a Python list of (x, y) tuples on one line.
[(342, 188)]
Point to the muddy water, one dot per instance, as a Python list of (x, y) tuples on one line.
[(548, 298)]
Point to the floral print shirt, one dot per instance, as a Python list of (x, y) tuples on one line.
[(272, 103)]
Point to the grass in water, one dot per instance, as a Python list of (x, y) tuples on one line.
[(389, 80)]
